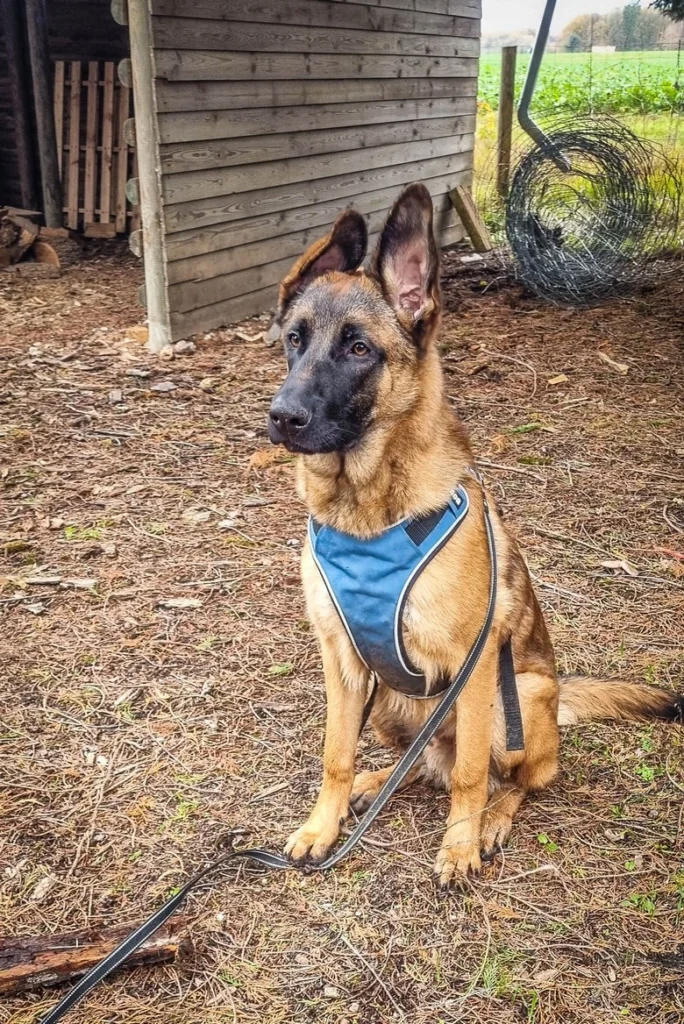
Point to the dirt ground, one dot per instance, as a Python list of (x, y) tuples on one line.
[(136, 736)]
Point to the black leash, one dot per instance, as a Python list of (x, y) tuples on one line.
[(277, 861)]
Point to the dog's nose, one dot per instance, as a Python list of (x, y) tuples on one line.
[(288, 418)]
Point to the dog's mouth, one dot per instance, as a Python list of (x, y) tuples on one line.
[(315, 441)]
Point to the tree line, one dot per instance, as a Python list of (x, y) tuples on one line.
[(629, 28)]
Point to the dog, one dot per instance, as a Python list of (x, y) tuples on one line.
[(364, 407)]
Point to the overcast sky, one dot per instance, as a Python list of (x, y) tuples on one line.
[(507, 15)]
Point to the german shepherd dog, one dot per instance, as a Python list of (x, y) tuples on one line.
[(364, 406)]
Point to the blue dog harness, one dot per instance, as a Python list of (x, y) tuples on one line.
[(370, 582)]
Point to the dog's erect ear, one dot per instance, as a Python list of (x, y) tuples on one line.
[(406, 262), (343, 249)]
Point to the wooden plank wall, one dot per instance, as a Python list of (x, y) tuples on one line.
[(276, 114), (91, 107), (10, 184)]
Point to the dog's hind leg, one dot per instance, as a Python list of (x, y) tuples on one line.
[(529, 770), (367, 785), (497, 822)]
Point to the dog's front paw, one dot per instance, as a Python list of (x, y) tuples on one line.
[(454, 864), (312, 843)]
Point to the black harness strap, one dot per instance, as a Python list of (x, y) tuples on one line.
[(277, 861), (515, 736)]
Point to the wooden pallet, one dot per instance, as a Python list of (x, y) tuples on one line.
[(95, 160)]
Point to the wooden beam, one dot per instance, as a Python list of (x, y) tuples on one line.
[(218, 65), (59, 115), (341, 188), (149, 173), (472, 222), (188, 186), (198, 156), (324, 14), (74, 144), (91, 143), (121, 159), (506, 109), (41, 73), (243, 96), (17, 72), (107, 143), (197, 33)]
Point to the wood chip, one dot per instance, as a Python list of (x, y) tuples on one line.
[(622, 565), (614, 365), (180, 602), (559, 379)]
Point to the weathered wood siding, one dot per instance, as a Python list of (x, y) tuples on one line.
[(10, 183), (274, 115)]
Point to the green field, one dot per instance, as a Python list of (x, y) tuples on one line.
[(648, 82)]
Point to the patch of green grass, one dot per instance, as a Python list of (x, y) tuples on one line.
[(644, 902), (285, 668), (94, 532), (547, 843), (642, 82)]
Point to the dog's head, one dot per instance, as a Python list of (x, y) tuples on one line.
[(355, 340)]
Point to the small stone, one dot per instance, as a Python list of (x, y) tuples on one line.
[(109, 549), (330, 992), (185, 348), (37, 608), (293, 543), (162, 386), (43, 888), (141, 374), (226, 524), (207, 384), (354, 1007), (115, 397), (168, 352)]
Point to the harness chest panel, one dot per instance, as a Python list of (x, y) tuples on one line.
[(370, 580)]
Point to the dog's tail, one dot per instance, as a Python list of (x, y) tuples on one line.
[(583, 698)]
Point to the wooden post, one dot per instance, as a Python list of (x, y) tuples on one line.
[(39, 53), (506, 109), (149, 173), (19, 98), (463, 203)]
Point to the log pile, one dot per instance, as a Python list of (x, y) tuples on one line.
[(30, 248)]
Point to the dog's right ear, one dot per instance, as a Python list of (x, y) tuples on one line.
[(344, 249)]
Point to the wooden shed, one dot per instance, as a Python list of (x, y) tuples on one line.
[(257, 121)]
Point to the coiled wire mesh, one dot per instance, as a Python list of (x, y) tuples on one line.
[(603, 227)]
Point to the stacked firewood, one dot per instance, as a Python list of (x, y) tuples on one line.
[(24, 242)]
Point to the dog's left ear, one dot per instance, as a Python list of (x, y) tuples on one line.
[(406, 263), (344, 249)]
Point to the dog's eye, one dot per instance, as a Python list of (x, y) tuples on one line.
[(293, 339), (359, 349)]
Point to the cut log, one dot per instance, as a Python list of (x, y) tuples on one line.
[(36, 961), (44, 253), (17, 235)]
